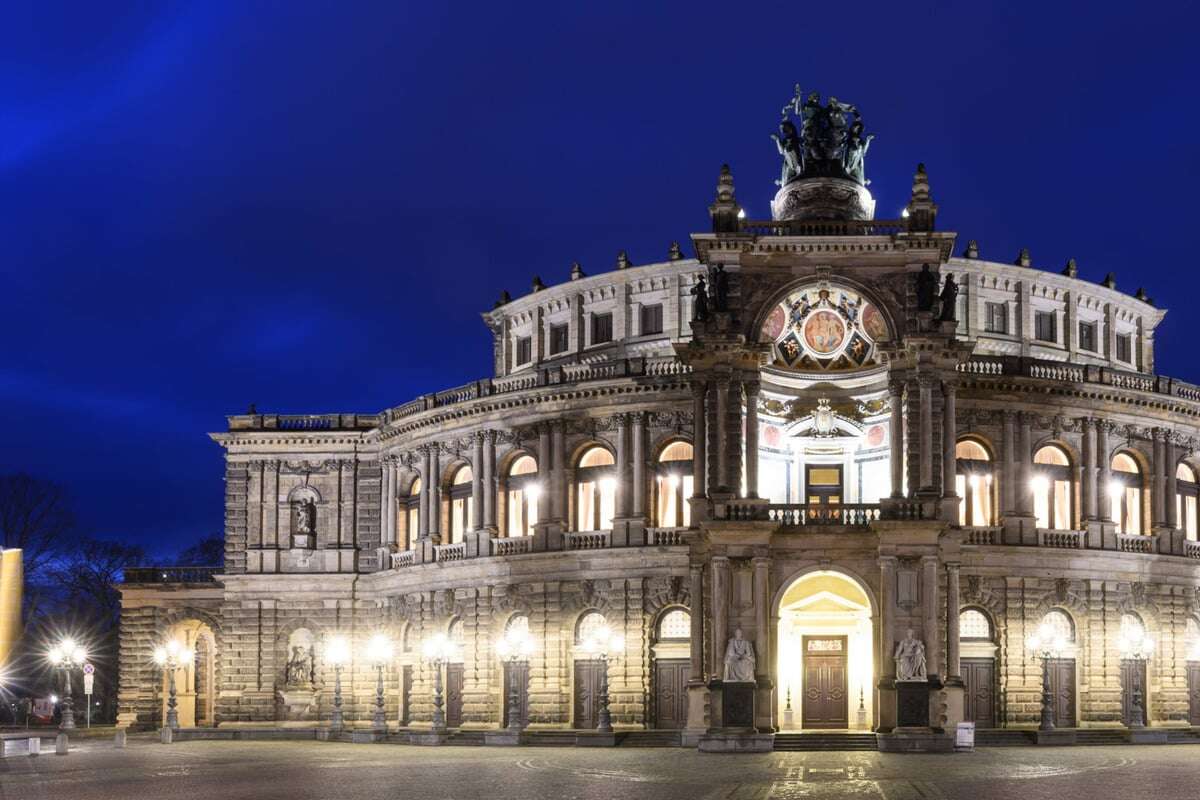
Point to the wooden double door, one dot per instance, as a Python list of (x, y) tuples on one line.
[(516, 672), (670, 692), (826, 701), (454, 695), (1133, 674), (589, 684), (1193, 683), (1062, 691), (979, 691)]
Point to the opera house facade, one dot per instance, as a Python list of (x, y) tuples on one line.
[(832, 473)]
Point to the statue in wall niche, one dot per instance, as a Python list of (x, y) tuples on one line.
[(949, 300), (721, 285), (700, 301), (926, 289), (306, 517), (739, 659), (910, 659), (300, 667)]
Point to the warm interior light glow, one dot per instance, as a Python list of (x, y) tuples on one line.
[(160, 656), (379, 648), (1115, 490), (337, 650), (533, 492), (608, 484), (1040, 484)]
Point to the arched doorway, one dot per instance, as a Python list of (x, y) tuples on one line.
[(196, 682), (826, 659)]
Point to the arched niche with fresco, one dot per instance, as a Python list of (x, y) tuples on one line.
[(825, 327)]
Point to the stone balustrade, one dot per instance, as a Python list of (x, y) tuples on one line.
[(512, 546), (665, 537), (1135, 543), (982, 535), (405, 558), (171, 574), (586, 540), (450, 552), (1191, 549), (1061, 540)]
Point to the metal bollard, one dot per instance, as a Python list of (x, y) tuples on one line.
[(60, 745)]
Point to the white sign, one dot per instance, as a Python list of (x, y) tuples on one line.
[(965, 736), (88, 678), (89, 668)]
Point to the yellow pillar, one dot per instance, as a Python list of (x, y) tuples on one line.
[(10, 601)]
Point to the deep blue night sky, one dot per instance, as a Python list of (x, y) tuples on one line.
[(306, 205)]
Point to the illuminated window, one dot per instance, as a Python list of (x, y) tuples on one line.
[(675, 624), (1187, 490), (589, 627), (974, 484), (462, 504), (595, 490), (524, 492), (673, 486), (410, 513), (1053, 488), (974, 624), (1125, 494), (457, 635), (517, 625), (1059, 625)]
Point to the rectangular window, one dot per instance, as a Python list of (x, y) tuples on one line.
[(1124, 348), (995, 318), (601, 328), (559, 339), (1044, 326), (1087, 336), (651, 319), (524, 350)]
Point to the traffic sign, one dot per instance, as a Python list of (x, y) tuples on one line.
[(87, 682), (89, 668)]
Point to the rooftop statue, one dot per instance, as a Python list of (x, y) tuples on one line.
[(830, 142)]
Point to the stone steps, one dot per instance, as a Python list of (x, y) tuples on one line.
[(1101, 736), (1184, 736), (550, 738), (650, 739), (797, 742), (468, 737), (1003, 737)]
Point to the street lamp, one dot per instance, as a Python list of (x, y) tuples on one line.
[(437, 651), (337, 654), (1136, 646), (605, 645), (66, 656), (515, 646), (170, 657), (1046, 644), (379, 653)]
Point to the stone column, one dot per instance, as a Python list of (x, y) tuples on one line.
[(926, 446), (1172, 488), (435, 493), (624, 489), (1158, 483), (887, 616), (1089, 468), (1025, 465), (1103, 427), (389, 502), (477, 484), (557, 484), (762, 607), (932, 633), (737, 441), (639, 465), (699, 441), (722, 388), (953, 661), (489, 481), (1008, 481), (426, 491), (752, 439), (720, 614), (896, 435), (950, 504), (696, 592)]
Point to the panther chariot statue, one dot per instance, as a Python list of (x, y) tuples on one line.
[(823, 147)]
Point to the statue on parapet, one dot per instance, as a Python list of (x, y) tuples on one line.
[(826, 144), (720, 280), (949, 299), (700, 300), (926, 288)]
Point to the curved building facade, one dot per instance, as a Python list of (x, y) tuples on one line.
[(826, 432)]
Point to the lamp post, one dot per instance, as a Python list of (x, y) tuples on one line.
[(514, 647), (1136, 646), (66, 656), (337, 654), (171, 657), (1045, 644), (437, 651), (379, 653), (606, 646)]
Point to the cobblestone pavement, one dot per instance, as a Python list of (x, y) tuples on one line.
[(303, 770)]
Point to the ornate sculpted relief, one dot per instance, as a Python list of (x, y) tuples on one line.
[(824, 327)]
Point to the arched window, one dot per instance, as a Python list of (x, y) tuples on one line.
[(675, 624), (673, 486), (1192, 639), (457, 635), (524, 491), (1059, 626), (1187, 492), (1125, 493), (1132, 628), (974, 484), (518, 624), (595, 490), (410, 514), (462, 504), (1053, 488), (589, 627), (974, 624)]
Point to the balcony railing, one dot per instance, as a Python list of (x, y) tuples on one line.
[(804, 514), (1021, 367), (661, 537), (171, 574), (797, 227), (1135, 543), (1062, 540), (586, 540), (450, 552), (513, 546), (981, 535), (1191, 549), (405, 558)]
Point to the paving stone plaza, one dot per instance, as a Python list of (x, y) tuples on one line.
[(299, 771), (833, 474)]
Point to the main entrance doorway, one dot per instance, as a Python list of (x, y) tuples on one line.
[(826, 655)]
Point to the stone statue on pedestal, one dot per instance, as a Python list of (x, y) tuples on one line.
[(949, 300), (300, 667), (306, 517), (700, 303), (910, 659), (926, 289), (739, 659), (720, 281)]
